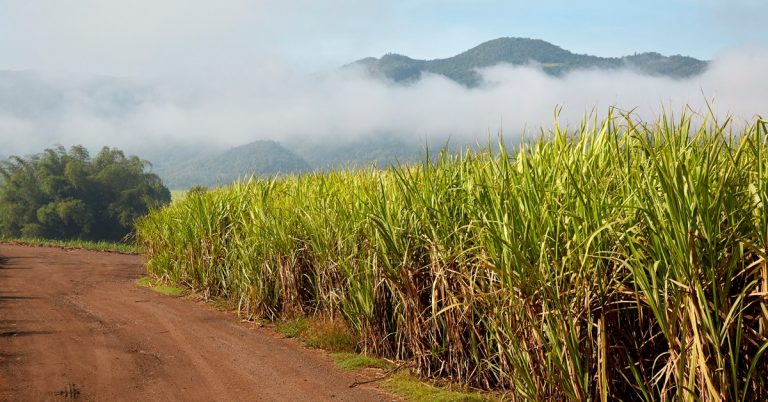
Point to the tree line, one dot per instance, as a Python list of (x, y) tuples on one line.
[(67, 194)]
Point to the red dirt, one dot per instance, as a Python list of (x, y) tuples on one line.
[(75, 326)]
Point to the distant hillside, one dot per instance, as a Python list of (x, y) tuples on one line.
[(519, 51), (379, 150), (260, 158), (182, 168)]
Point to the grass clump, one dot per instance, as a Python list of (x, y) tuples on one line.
[(413, 390), (161, 288), (403, 384), (355, 361), (331, 335), (619, 260), (293, 328)]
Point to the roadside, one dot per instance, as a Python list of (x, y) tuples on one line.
[(103, 246), (73, 324)]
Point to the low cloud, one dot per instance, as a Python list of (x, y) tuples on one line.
[(38, 111)]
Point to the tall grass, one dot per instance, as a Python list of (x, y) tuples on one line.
[(615, 260)]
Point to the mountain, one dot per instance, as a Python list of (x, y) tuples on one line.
[(114, 104), (380, 150), (551, 59), (260, 158)]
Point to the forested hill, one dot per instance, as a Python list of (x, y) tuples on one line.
[(382, 149), (260, 158), (519, 51)]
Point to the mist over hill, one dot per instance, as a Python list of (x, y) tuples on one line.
[(552, 59), (259, 158), (49, 96), (381, 150), (370, 112)]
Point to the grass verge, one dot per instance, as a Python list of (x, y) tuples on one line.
[(412, 389), (330, 335), (113, 247), (404, 384), (356, 361), (335, 337)]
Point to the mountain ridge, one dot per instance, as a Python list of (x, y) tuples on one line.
[(551, 58)]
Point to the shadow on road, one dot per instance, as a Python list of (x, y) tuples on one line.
[(12, 334), (9, 328), (9, 298), (6, 263)]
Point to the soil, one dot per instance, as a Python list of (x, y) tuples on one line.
[(75, 326)]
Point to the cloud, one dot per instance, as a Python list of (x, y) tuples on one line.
[(38, 111), (145, 37)]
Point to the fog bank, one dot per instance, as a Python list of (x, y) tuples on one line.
[(39, 110)]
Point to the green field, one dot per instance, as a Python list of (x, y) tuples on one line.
[(618, 260)]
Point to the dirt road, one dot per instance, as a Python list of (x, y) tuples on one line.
[(74, 326)]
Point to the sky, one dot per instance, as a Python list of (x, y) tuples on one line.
[(241, 70), (142, 37)]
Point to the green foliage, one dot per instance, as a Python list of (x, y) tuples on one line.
[(519, 51), (620, 260), (197, 190), (61, 194)]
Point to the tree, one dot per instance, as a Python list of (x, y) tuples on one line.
[(61, 194)]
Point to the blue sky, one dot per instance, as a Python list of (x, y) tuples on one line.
[(701, 28), (147, 36), (597, 27)]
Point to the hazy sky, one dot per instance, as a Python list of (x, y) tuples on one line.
[(141, 37), (234, 71)]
